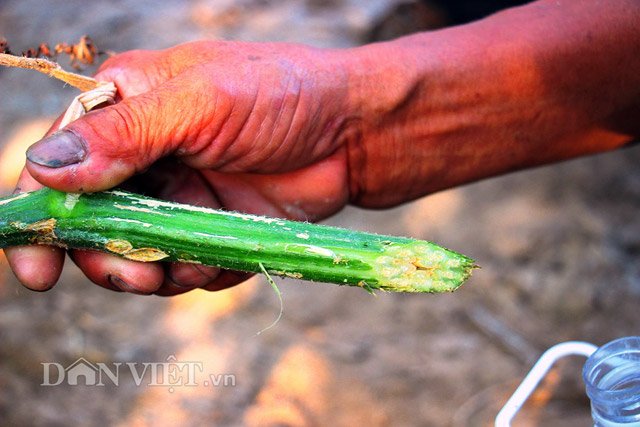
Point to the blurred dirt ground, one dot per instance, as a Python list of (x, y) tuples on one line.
[(558, 247)]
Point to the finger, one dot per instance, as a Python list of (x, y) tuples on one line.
[(37, 267), (169, 289), (105, 147), (227, 279), (191, 275), (26, 182), (135, 72), (112, 272), (181, 278), (307, 194)]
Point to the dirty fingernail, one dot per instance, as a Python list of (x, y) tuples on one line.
[(59, 149), (123, 286)]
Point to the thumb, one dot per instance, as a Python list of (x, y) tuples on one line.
[(105, 147)]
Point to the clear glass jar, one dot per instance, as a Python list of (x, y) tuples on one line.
[(612, 379)]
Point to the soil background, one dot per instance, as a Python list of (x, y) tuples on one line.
[(559, 249)]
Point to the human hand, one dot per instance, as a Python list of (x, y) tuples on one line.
[(258, 128), (287, 130)]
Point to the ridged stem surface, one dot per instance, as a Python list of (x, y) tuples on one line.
[(146, 229)]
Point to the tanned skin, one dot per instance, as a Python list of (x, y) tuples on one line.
[(293, 131)]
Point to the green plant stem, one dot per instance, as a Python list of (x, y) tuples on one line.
[(145, 229)]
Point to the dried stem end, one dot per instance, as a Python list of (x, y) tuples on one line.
[(50, 68)]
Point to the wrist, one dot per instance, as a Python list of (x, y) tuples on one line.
[(415, 99), (518, 89), (382, 80)]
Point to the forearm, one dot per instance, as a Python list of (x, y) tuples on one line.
[(524, 87)]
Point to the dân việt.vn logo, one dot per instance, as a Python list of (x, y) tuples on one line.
[(170, 373)]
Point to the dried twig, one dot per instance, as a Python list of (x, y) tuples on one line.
[(50, 68)]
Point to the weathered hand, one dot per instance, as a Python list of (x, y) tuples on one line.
[(258, 128), (293, 131)]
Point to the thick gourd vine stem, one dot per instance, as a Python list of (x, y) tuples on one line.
[(145, 229)]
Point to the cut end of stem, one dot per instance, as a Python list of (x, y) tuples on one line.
[(422, 267)]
